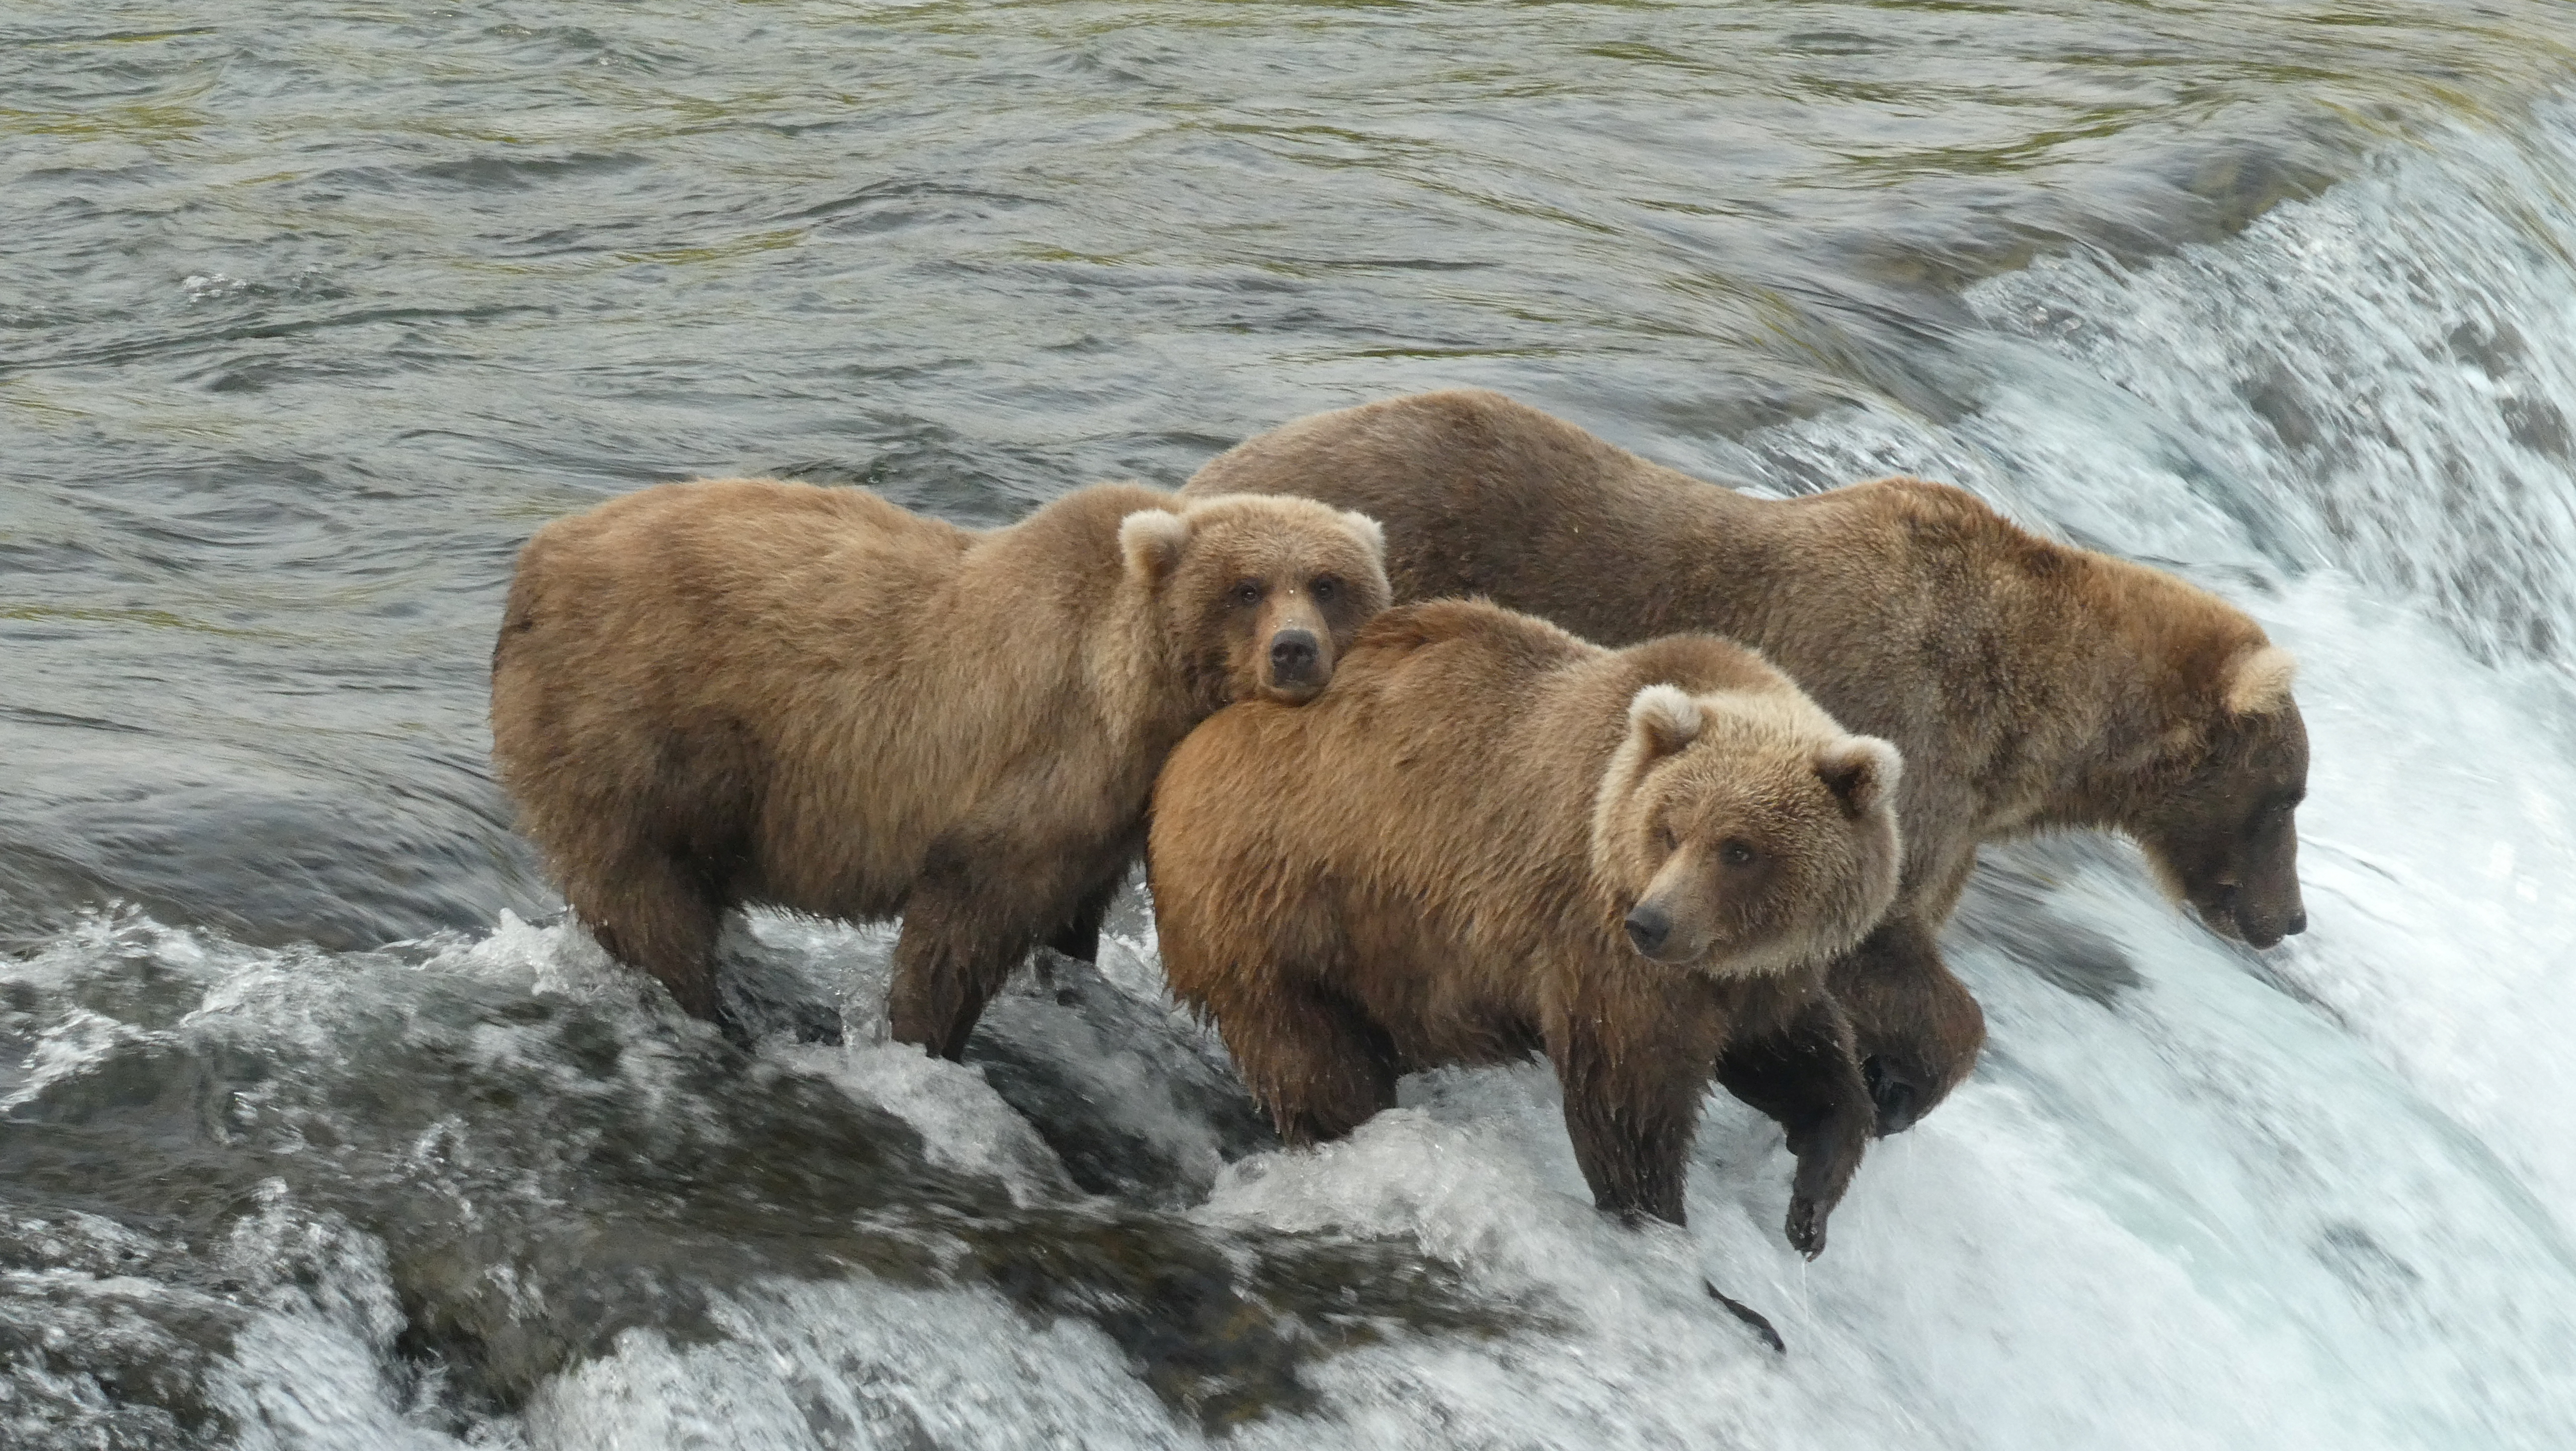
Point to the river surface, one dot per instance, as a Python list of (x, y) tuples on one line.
[(319, 1129)]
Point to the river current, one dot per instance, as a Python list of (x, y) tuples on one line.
[(318, 1128)]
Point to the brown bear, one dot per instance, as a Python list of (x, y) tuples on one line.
[(753, 691), (1492, 838), (2031, 686)]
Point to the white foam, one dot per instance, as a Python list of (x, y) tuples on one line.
[(2315, 1199), (855, 1363)]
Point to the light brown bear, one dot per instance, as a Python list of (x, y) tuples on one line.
[(2031, 686), (752, 691), (1492, 838)]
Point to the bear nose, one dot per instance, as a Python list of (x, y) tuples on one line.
[(1894, 1096), (2298, 923), (1293, 654), (1648, 926)]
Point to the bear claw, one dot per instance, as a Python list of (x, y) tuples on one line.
[(1806, 1227)]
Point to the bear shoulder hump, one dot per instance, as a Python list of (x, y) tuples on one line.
[(1910, 500), (1699, 661), (1077, 530), (1409, 628)]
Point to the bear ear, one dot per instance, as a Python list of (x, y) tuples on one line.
[(1665, 719), (1369, 531), (2257, 681), (1151, 541), (1861, 771)]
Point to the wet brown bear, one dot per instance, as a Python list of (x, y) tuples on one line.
[(746, 690), (1492, 838), (2030, 685)]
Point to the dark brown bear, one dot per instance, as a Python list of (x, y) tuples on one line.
[(751, 691), (2031, 686), (1492, 838)]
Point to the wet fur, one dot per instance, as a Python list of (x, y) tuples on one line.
[(2029, 685), (1432, 864), (753, 691)]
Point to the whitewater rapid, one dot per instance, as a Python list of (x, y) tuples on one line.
[(2193, 1197)]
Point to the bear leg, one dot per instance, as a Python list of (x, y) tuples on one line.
[(980, 906), (1313, 1059), (655, 915), (1631, 1116), (1805, 1077), (1917, 1028), (1079, 937), (953, 955)]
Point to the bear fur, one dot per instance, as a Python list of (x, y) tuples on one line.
[(753, 691), (2031, 686), (1492, 838)]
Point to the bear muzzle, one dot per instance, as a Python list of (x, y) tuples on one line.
[(1649, 927), (2230, 912), (1895, 1094), (1661, 936), (1295, 670)]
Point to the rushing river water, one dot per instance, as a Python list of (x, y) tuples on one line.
[(318, 1130)]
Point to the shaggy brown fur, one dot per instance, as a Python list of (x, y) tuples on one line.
[(746, 690), (1491, 837), (2030, 685)]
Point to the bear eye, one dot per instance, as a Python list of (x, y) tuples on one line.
[(1248, 593), (1735, 854), (1665, 839), (1323, 589)]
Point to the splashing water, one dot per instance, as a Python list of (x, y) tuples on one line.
[(482, 1188)]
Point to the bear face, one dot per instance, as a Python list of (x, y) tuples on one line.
[(1262, 592), (1745, 833), (2225, 841)]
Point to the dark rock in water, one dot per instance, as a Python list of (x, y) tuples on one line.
[(1131, 1106), (1220, 1338), (148, 1352), (2377, 1275), (2006, 907), (1132, 1101), (765, 994), (544, 1174)]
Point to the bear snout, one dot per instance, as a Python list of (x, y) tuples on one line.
[(1293, 652), (1893, 1092), (2268, 908), (2260, 929), (1296, 666), (1649, 927), (2230, 911)]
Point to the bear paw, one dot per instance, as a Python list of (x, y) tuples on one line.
[(1806, 1226)]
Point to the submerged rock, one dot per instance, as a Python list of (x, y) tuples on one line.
[(534, 1175)]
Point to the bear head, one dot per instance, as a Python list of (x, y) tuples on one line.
[(1260, 592), (1745, 832), (2222, 836)]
